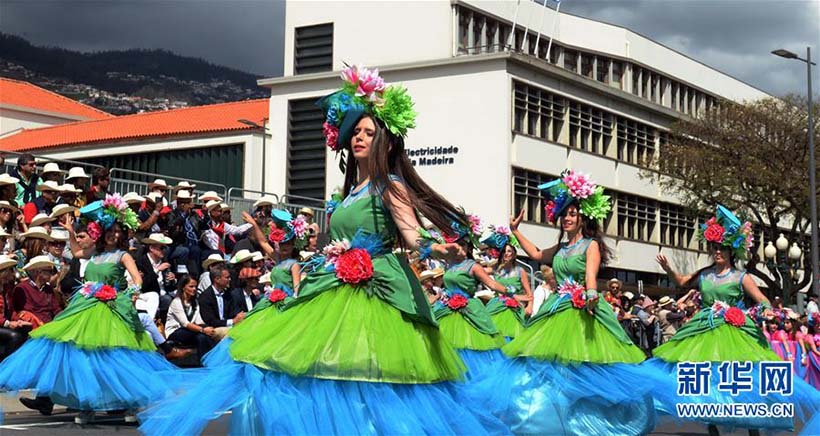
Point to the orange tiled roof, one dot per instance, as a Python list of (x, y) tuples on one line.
[(186, 121), (24, 94)]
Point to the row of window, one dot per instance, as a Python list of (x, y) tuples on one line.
[(632, 216), (540, 113), (478, 33)]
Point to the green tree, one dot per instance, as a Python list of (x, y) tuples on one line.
[(750, 157)]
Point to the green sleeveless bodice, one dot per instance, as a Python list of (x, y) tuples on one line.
[(726, 287), (281, 273), (510, 279), (108, 270), (458, 277), (362, 212), (571, 262)]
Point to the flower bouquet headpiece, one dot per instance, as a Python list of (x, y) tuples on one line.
[(575, 186), (726, 230)]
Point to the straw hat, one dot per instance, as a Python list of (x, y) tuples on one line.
[(51, 167), (249, 273), (157, 239), (68, 187), (665, 301), (132, 197), (153, 197), (241, 256), (41, 219), (4, 234), (184, 185), (213, 204), (6, 179), (183, 195), (628, 295), (426, 275), (210, 195), (6, 262), (224, 206), (36, 232), (60, 209), (265, 200), (39, 262), (158, 183), (6, 205), (212, 259), (59, 234), (306, 211), (49, 185), (265, 279), (76, 173), (257, 256)]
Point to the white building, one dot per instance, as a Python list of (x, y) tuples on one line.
[(26, 106), (493, 124)]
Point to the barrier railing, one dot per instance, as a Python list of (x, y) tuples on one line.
[(240, 200), (10, 162), (125, 177), (294, 203), (531, 274)]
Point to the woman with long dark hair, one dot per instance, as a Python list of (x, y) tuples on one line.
[(723, 332), (509, 308), (573, 370), (95, 355), (358, 352), (183, 324)]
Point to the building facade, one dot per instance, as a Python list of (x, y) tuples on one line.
[(501, 112)]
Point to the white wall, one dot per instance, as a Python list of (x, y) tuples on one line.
[(12, 120), (375, 32)]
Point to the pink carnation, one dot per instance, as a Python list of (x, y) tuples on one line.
[(549, 208), (475, 224), (299, 226), (331, 133), (115, 201), (579, 184), (94, 230), (368, 82), (334, 250), (503, 230)]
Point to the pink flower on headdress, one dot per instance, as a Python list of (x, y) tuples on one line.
[(94, 231), (475, 224), (115, 201), (368, 82), (299, 226), (579, 184), (350, 74), (331, 133), (503, 230)]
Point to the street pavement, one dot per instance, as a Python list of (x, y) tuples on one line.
[(18, 420)]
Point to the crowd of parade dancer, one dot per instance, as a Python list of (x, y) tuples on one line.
[(414, 318)]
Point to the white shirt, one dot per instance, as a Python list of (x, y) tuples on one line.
[(155, 265), (177, 319), (811, 308), (220, 303)]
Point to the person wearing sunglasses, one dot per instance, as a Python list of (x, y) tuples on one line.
[(28, 180)]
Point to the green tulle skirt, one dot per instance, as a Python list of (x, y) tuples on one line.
[(507, 323), (572, 336), (344, 334), (724, 343), (94, 328), (463, 336)]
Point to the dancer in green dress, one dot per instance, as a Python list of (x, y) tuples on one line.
[(509, 309)]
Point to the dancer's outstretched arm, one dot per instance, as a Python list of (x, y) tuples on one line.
[(535, 253)]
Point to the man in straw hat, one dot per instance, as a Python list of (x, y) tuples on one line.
[(51, 171), (157, 277), (13, 331), (669, 317), (218, 232), (77, 179), (49, 191), (185, 228), (207, 266), (34, 297)]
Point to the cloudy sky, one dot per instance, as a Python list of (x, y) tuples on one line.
[(734, 36)]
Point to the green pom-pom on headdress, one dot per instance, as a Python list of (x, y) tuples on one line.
[(397, 110)]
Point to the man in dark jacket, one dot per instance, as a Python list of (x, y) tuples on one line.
[(27, 179), (216, 305)]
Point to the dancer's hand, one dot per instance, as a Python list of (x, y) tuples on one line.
[(449, 252), (515, 221), (592, 305), (663, 262)]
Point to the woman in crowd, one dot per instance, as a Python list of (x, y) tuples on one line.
[(34, 243), (509, 308), (95, 355), (573, 370), (184, 325), (358, 351), (464, 320), (811, 351), (13, 331), (722, 332)]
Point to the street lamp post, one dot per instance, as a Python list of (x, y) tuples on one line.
[(783, 264), (264, 130), (815, 256)]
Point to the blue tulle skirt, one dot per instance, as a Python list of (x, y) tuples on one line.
[(267, 402), (478, 362), (218, 356), (104, 379), (806, 399), (535, 397)]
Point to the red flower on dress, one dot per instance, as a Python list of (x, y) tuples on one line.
[(735, 317), (714, 233), (457, 302), (276, 234), (511, 302), (449, 238), (106, 293), (277, 295), (549, 208), (354, 266), (493, 253), (578, 298)]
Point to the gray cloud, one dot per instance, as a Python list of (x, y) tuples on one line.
[(734, 36)]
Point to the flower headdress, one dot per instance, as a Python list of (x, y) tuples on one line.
[(498, 237), (285, 228), (575, 186), (459, 231), (364, 92), (725, 229), (106, 212)]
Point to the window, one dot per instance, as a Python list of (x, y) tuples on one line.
[(636, 141), (537, 112), (636, 81), (463, 30), (586, 65), (674, 96), (590, 129), (313, 49), (617, 74), (478, 30), (554, 52), (677, 226), (527, 196), (571, 60), (492, 35), (306, 149), (636, 217), (603, 70)]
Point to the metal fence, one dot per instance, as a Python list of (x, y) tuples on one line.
[(241, 200), (294, 203), (10, 162), (124, 180)]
